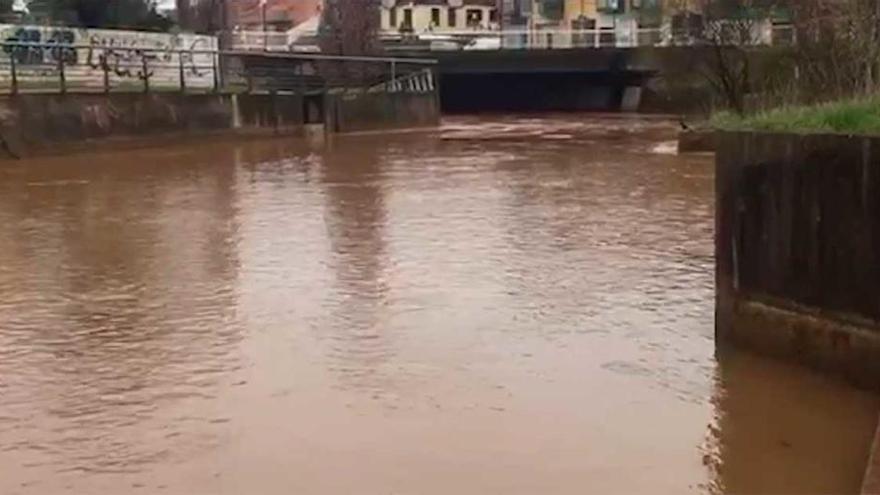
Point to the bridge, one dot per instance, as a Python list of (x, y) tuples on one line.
[(526, 80), (529, 70)]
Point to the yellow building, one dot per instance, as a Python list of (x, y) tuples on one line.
[(579, 9), (438, 16)]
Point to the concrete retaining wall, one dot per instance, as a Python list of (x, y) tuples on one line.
[(798, 249), (696, 141), (282, 113), (33, 124), (373, 111)]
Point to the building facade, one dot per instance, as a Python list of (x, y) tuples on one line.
[(274, 15), (580, 14), (515, 14), (438, 16)]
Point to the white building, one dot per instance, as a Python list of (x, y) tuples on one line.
[(438, 16)]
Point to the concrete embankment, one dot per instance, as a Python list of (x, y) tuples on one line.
[(376, 111), (798, 249), (696, 141), (38, 124), (798, 253)]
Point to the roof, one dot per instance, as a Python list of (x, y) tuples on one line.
[(479, 3), (249, 12)]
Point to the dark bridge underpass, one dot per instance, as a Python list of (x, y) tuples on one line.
[(603, 79), (535, 91)]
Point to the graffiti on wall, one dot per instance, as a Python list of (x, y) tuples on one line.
[(91, 55)]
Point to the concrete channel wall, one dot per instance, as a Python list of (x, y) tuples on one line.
[(375, 111), (798, 249), (35, 124), (39, 124)]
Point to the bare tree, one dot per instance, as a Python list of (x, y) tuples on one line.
[(130, 14), (838, 48), (202, 16), (350, 27), (728, 34)]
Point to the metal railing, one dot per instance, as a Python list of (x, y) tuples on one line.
[(59, 67), (313, 73), (63, 68), (420, 81)]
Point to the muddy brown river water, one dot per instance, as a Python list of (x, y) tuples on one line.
[(509, 305)]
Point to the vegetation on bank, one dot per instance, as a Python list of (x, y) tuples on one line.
[(127, 14), (856, 116)]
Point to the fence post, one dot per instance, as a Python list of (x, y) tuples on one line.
[(182, 73), (105, 67), (62, 77), (145, 67), (393, 74), (215, 63), (14, 71)]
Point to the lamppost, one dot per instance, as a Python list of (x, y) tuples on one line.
[(224, 16), (500, 8), (263, 24)]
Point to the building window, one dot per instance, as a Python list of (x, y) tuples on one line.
[(435, 16), (609, 6), (392, 17), (451, 17), (474, 17), (407, 18), (493, 15)]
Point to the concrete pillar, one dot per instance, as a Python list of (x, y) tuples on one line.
[(632, 99), (236, 112)]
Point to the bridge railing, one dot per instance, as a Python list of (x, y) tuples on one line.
[(269, 41), (53, 67), (549, 39)]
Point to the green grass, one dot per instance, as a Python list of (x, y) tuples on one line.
[(860, 116)]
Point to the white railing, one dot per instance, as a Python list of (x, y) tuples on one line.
[(544, 39), (267, 41), (60, 58), (421, 81)]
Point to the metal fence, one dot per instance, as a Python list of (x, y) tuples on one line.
[(313, 73), (35, 67)]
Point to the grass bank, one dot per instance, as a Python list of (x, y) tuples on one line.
[(859, 116)]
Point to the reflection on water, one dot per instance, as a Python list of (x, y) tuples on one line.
[(776, 429), (510, 305)]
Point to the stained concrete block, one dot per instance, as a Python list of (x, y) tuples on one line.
[(798, 249)]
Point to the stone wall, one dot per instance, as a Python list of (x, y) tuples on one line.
[(798, 249), (381, 110)]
